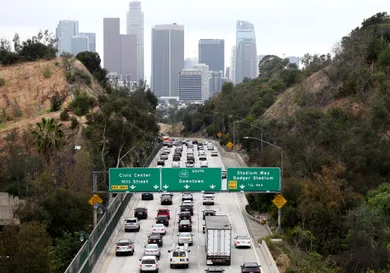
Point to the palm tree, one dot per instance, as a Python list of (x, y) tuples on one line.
[(48, 136)]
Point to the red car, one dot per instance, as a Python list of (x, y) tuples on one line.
[(164, 212)]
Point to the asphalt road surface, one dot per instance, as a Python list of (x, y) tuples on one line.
[(225, 204)]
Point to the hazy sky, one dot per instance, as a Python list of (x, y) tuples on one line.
[(291, 27)]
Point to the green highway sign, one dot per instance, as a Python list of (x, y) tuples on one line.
[(134, 179), (191, 179), (253, 179)]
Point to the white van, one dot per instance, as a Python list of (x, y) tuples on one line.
[(178, 256)]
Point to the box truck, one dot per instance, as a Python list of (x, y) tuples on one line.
[(218, 238)]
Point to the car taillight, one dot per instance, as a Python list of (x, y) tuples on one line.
[(128, 246), (154, 229), (249, 242), (170, 259), (238, 243), (118, 247)]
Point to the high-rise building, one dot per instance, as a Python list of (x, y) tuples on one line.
[(135, 26), (212, 53), (191, 84), (190, 62), (92, 40), (65, 30), (215, 82), (167, 59), (232, 75), (246, 52), (80, 43), (227, 72), (120, 50), (204, 68)]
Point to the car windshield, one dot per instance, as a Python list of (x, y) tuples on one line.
[(159, 225), (123, 244), (202, 159), (131, 221), (163, 210), (185, 234), (148, 261), (184, 222), (162, 218), (176, 159), (179, 254)]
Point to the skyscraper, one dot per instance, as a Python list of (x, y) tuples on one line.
[(80, 43), (167, 59), (135, 25), (246, 52), (65, 30), (204, 68), (212, 53), (120, 50), (191, 84), (92, 40)]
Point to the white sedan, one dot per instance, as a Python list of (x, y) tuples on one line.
[(242, 241), (159, 228)]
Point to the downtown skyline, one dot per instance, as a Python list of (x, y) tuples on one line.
[(280, 29)]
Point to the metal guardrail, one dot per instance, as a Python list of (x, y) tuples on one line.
[(89, 253)]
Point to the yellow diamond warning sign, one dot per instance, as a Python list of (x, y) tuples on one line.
[(219, 135), (232, 185), (279, 201), (95, 199), (229, 145)]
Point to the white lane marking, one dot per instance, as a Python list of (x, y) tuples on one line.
[(246, 227)]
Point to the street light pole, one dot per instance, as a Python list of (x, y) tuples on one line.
[(281, 175)]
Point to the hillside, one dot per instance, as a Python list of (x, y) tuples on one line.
[(331, 119), (30, 89)]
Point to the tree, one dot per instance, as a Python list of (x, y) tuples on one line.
[(48, 137), (29, 243)]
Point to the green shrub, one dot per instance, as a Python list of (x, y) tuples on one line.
[(2, 82), (82, 103), (74, 123), (47, 72), (56, 101), (64, 116), (78, 75)]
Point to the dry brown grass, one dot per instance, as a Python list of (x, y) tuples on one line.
[(318, 91), (27, 86)]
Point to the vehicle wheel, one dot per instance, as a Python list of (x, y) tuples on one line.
[(132, 253), (117, 254), (188, 265), (228, 263), (126, 230), (171, 265), (138, 229)]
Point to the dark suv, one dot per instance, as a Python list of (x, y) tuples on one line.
[(250, 268), (155, 238), (185, 225), (141, 213), (208, 212), (166, 199), (162, 219), (186, 207), (185, 215)]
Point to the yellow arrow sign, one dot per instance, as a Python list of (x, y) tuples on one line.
[(95, 199), (279, 201)]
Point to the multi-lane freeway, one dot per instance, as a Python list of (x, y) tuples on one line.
[(225, 204)]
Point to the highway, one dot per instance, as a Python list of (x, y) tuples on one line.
[(225, 204)]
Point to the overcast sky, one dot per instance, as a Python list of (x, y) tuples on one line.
[(291, 27)]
